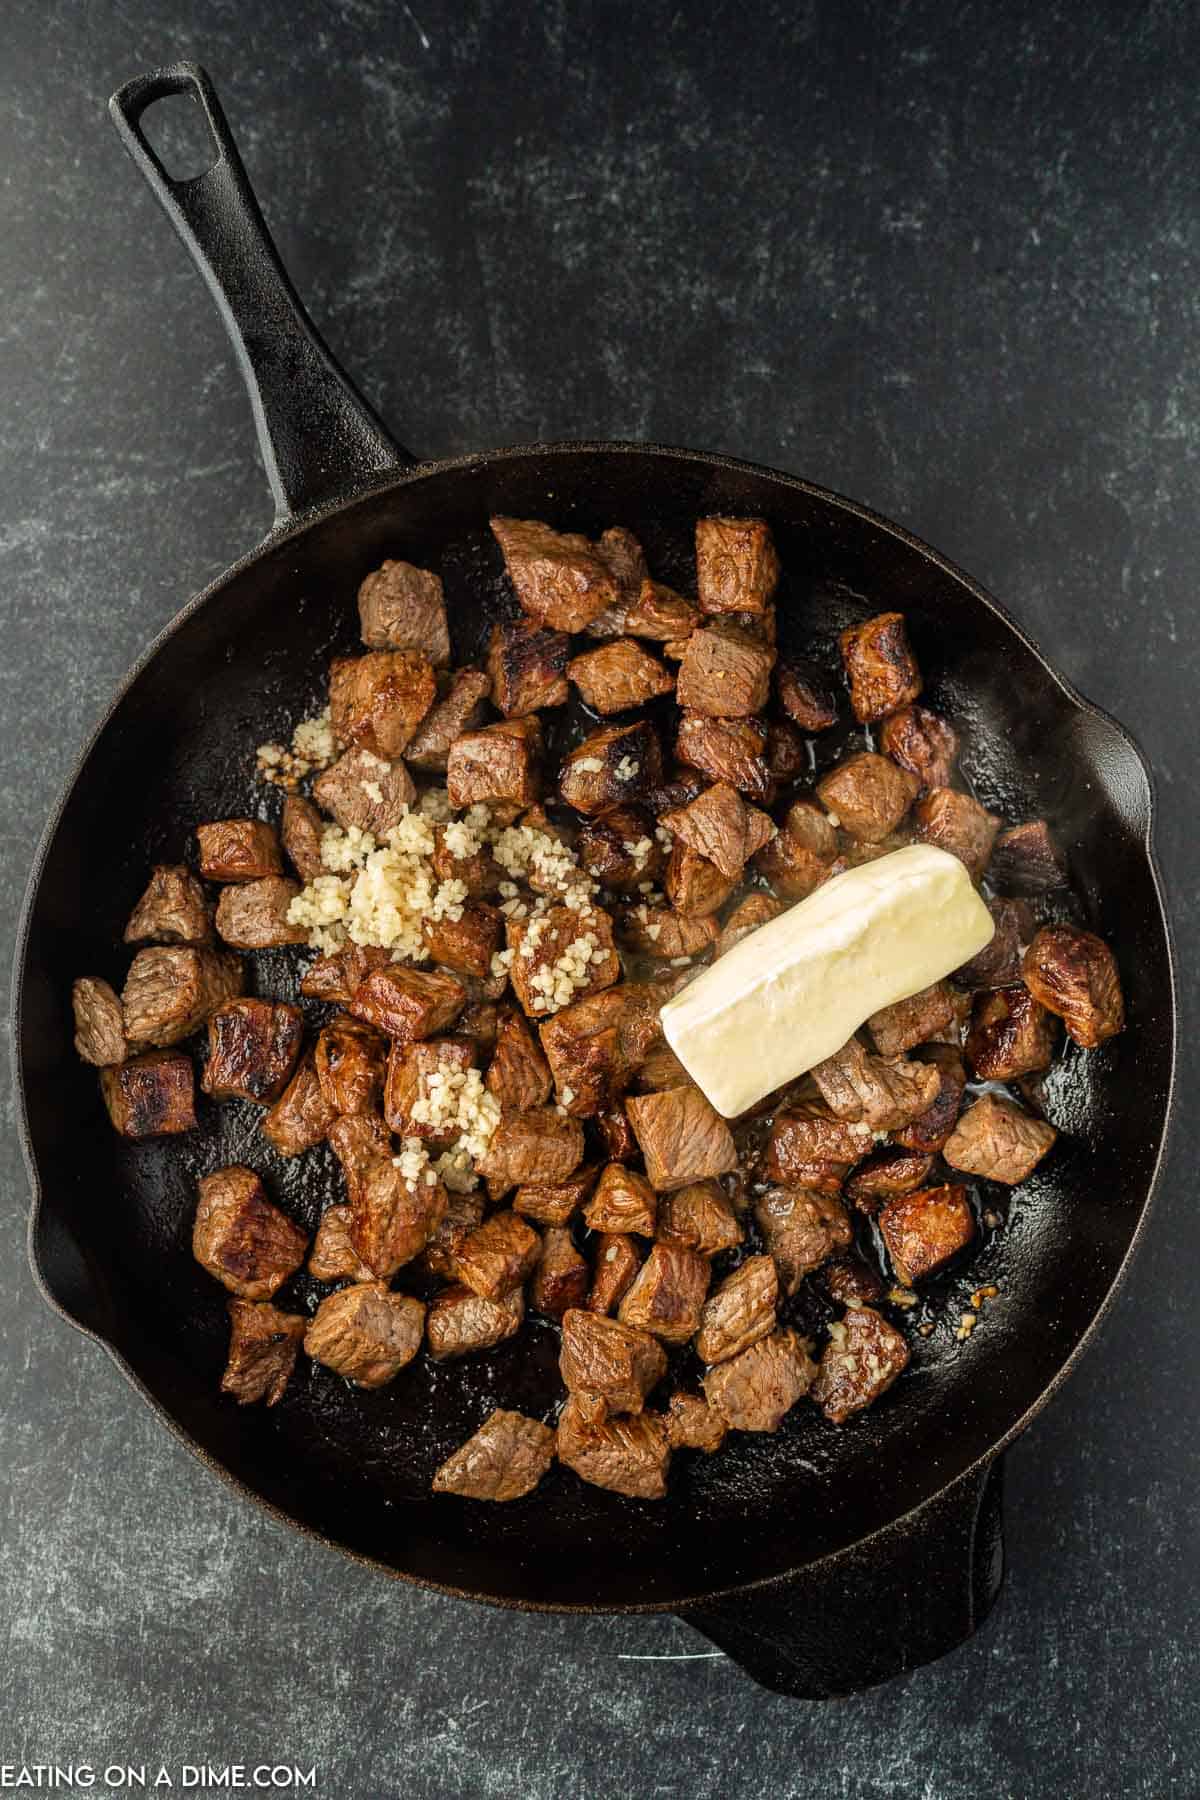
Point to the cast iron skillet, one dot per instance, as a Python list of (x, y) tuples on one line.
[(822, 1559)]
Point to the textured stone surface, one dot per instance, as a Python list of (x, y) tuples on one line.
[(943, 259)]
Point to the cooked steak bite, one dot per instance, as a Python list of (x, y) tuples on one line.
[(683, 1138), (794, 869), (725, 673), (614, 765), (366, 1333), (478, 1022), (464, 1212), (810, 1132), (518, 1077), (459, 709), (892, 1170), (241, 1238), (1073, 973), (377, 701), (562, 1277), (302, 829), (170, 991), (151, 1095), (364, 792), (498, 1255), (737, 568), (997, 1141), (173, 909), (684, 785), (880, 666), (505, 1459), (620, 850), (466, 944), (625, 560), (860, 1362), (695, 887), (616, 1133), (699, 1217), (1026, 860), (755, 910), (739, 1312), (262, 1351), (394, 1206), (925, 1229), (618, 676), (477, 869), (805, 695), (253, 915), (616, 1260), (661, 1069), (538, 1145), (620, 1363), (692, 1424), (659, 613), (407, 1004), (252, 1050), (867, 795), (528, 666), (998, 964), (403, 608), (667, 1295), (460, 1323), (884, 1094), (559, 956), (931, 1128), (727, 749), (955, 822), (787, 754), (754, 1390), (302, 1115), (1010, 1035), (560, 578), (99, 1022), (921, 742), (333, 1256), (629, 1455), (238, 850), (350, 1062), (497, 764), (847, 1279), (622, 1201), (720, 827), (336, 977), (917, 1020), (801, 1229), (555, 1202), (663, 933)]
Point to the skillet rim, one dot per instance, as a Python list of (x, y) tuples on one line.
[(296, 527)]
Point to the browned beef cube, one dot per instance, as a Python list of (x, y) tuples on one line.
[(393, 1213), (1026, 860), (931, 1128), (538, 1145), (302, 829), (922, 743), (720, 827), (796, 862), (302, 1115), (740, 1311), (1010, 1035), (616, 764), (350, 1061), (562, 1277), (801, 1229), (616, 1262), (753, 1391), (170, 991), (253, 915), (755, 910), (252, 1050), (622, 1201), (466, 944), (618, 676), (737, 567), (880, 666), (333, 1256), (862, 1359), (925, 1229), (811, 1133), (998, 964), (955, 822), (629, 1455), (692, 1424), (505, 1459), (684, 785), (886, 1095), (366, 1333), (560, 578), (364, 792), (478, 1022), (849, 1280), (238, 850), (151, 1095), (667, 1295), (262, 1351), (528, 666), (892, 1170), (1073, 973), (519, 1075), (464, 1212), (497, 764), (498, 1255), (377, 701), (555, 1202), (732, 750), (621, 1363), (683, 1138), (695, 887), (460, 1322), (99, 1022), (173, 909), (616, 1133), (917, 1020), (407, 1004), (661, 1069), (724, 673), (661, 614), (335, 978), (663, 933), (625, 560), (805, 695), (561, 956), (620, 850), (787, 754), (402, 608), (479, 871), (699, 1217), (997, 1141), (459, 709), (868, 795), (241, 1238)]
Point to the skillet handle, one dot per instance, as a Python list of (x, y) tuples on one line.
[(318, 437), (902, 1598)]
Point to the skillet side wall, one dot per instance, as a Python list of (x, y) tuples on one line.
[(355, 1467)]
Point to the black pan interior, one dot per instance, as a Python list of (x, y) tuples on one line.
[(113, 1233)]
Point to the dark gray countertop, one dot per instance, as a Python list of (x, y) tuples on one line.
[(942, 258)]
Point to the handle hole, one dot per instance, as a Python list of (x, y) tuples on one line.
[(180, 137)]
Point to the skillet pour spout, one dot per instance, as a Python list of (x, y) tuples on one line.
[(823, 1561)]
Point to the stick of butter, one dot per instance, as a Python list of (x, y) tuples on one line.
[(798, 988)]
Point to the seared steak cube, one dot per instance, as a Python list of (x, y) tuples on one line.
[(394, 1210), (892, 1170), (618, 676), (661, 614), (755, 910), (622, 1201), (477, 1023), (620, 850), (725, 673), (719, 826), (463, 1213), (886, 1095), (528, 666), (732, 750), (1073, 973), (365, 792), (797, 860), (241, 1238), (699, 1217), (625, 560), (614, 765), (335, 978), (683, 1138), (173, 909), (302, 829), (518, 1077), (169, 992), (302, 1115), (238, 850), (1010, 1035), (921, 742), (99, 1022), (695, 887), (692, 1424), (629, 1455), (862, 1359), (811, 1133), (498, 1255), (997, 1141), (555, 1202), (459, 709), (739, 1312), (366, 1333), (252, 1050), (661, 1069), (754, 1390), (868, 795), (537, 1145), (667, 1296), (560, 578), (931, 1128), (917, 1020), (478, 870), (459, 1322), (955, 822), (616, 1133), (253, 915), (620, 1363), (407, 1003), (616, 1261), (560, 956), (998, 964), (466, 944), (497, 764), (805, 695), (150, 1095), (848, 1279), (505, 1459), (333, 1256), (801, 1229), (737, 567), (925, 1229), (663, 933), (787, 754), (562, 1277), (402, 608), (880, 666), (262, 1351), (377, 701), (350, 1060), (1026, 860)]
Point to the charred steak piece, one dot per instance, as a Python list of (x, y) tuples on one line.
[(459, 709), (560, 956), (740, 1311), (692, 1424), (892, 1170), (695, 887), (252, 1050), (722, 828), (880, 667), (377, 701), (366, 1333), (616, 1263), (998, 964), (478, 871), (727, 749), (518, 1076), (562, 1277), (724, 673), (802, 854), (617, 1362), (699, 1217), (996, 1140), (809, 1132), (884, 1094), (555, 1202), (262, 1351), (407, 1004), (801, 1229), (460, 1322), (99, 1023), (150, 1095), (173, 909), (613, 766), (661, 614), (402, 608), (1026, 860), (868, 795), (350, 1062), (498, 1255), (463, 1213), (753, 1391), (922, 743), (622, 1201), (1073, 973), (505, 1459), (560, 578), (620, 850), (930, 1129), (616, 1133), (253, 915), (335, 978), (333, 1256), (241, 1238), (667, 1296), (424, 1083), (1010, 1035), (365, 792), (683, 1138), (629, 1455), (925, 1229), (394, 1208), (663, 933), (863, 1357), (955, 822), (497, 764), (755, 910), (737, 568), (466, 944), (538, 1145), (918, 1020), (301, 1116), (805, 695), (238, 850), (169, 992), (528, 666), (302, 829), (618, 676), (847, 1279)]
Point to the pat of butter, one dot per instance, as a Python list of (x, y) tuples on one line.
[(798, 988)]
